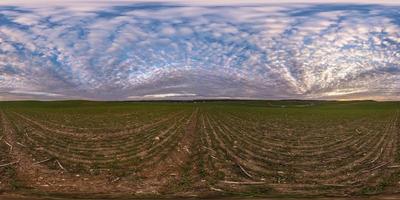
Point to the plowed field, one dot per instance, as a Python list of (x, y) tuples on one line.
[(204, 149)]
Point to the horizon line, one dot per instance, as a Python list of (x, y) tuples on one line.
[(195, 100)]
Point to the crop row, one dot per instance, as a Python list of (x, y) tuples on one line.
[(348, 159), (131, 149)]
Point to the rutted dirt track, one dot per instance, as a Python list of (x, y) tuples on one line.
[(202, 152)]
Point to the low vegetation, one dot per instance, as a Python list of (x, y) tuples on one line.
[(202, 148)]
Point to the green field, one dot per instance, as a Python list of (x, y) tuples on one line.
[(200, 148)]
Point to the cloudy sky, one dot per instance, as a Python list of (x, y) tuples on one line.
[(127, 50)]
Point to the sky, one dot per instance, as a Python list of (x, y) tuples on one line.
[(131, 50)]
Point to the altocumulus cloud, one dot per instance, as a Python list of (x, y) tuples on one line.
[(133, 50)]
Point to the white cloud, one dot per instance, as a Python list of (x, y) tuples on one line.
[(164, 95), (290, 50), (38, 93), (168, 30)]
